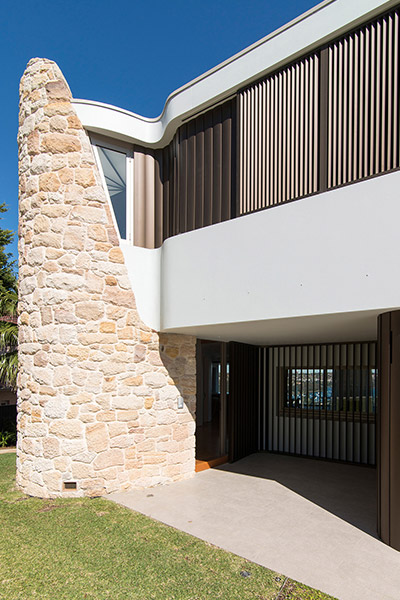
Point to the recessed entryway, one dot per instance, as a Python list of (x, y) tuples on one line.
[(211, 413)]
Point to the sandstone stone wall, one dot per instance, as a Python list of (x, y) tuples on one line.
[(97, 389)]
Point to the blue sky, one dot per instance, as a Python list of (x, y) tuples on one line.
[(128, 53)]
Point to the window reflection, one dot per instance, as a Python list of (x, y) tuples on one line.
[(114, 169), (336, 390)]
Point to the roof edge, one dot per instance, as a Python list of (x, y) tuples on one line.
[(317, 26)]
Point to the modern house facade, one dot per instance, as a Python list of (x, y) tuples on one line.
[(220, 280)]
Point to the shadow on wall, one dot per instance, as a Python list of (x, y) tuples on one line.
[(347, 491)]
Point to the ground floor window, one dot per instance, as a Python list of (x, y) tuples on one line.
[(334, 390)]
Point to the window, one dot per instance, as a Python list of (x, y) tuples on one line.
[(115, 162), (216, 377), (114, 170), (338, 390)]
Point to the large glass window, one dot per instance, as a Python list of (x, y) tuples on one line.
[(333, 390), (114, 169)]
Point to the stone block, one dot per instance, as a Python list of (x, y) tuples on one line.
[(87, 214), (62, 376), (35, 430), (89, 311), (107, 327), (49, 182), (58, 90), (122, 441), (51, 447), (40, 359), (58, 123), (127, 415), (115, 255), (52, 481), (111, 280), (148, 403), (81, 470), (133, 381), (166, 417), (139, 353), (97, 437), (72, 448), (74, 239), (74, 122), (116, 428), (155, 380), (93, 283), (66, 428), (59, 143), (56, 408), (85, 177), (42, 464), (109, 458), (40, 224), (106, 416)]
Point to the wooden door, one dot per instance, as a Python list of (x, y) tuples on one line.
[(388, 439), (244, 388)]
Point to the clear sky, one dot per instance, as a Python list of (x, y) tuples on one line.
[(129, 53)]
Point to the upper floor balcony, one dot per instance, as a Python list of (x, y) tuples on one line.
[(299, 116)]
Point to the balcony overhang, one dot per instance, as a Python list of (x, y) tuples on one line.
[(321, 268)]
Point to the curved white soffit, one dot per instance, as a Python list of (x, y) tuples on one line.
[(310, 30)]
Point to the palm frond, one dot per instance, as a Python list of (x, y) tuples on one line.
[(8, 335), (9, 369), (9, 303)]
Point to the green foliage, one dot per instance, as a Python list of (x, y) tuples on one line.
[(8, 435), (7, 438), (8, 340), (9, 303), (8, 280), (8, 308)]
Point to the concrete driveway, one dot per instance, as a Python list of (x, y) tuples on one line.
[(311, 520)]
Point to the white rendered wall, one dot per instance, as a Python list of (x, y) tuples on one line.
[(144, 275), (329, 262), (336, 252)]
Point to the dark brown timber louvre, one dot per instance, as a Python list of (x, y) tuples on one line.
[(278, 137), (363, 102), (243, 407), (192, 181), (388, 438), (329, 119), (319, 400)]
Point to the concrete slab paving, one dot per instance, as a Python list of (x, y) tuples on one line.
[(311, 520)]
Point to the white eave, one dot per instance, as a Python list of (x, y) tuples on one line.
[(321, 24)]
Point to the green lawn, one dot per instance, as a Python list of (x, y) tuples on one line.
[(93, 549)]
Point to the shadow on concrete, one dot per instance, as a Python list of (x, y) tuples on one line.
[(347, 491)]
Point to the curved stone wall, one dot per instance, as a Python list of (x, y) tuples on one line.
[(97, 389)]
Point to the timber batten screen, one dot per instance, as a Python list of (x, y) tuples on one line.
[(278, 137), (329, 119), (363, 102), (190, 183), (319, 400)]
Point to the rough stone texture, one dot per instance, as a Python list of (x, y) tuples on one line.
[(97, 389)]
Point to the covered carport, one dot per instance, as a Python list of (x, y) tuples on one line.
[(314, 521), (302, 494)]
